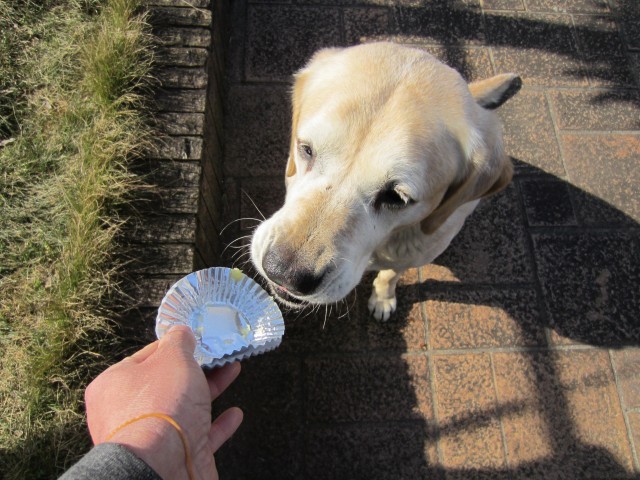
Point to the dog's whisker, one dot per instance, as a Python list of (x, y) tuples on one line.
[(254, 204), (232, 242), (240, 220), (241, 249), (242, 262), (242, 237), (238, 239), (244, 258)]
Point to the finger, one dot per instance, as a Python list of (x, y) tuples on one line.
[(224, 426), (220, 378), (181, 337), (141, 355)]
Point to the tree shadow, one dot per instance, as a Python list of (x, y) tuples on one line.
[(583, 50), (582, 282)]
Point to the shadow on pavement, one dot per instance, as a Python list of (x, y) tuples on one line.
[(346, 397)]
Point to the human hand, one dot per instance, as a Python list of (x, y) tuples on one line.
[(163, 377)]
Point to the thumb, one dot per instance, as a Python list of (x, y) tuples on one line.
[(179, 337)]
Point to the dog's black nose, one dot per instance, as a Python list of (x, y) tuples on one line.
[(282, 269)]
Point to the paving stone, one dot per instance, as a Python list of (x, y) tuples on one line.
[(272, 56), (367, 24), (406, 329), (468, 426), (635, 65), (604, 170), (585, 278), (483, 319), (631, 32), (260, 198), (611, 71), (263, 448), (603, 52), (371, 387), (503, 5), (627, 366), (441, 25), (544, 32), (258, 127), (526, 419), (596, 109), (529, 135), (234, 54), (472, 63), (209, 247), (597, 35), (542, 68), (385, 451), (490, 248), (562, 416), (634, 424), (547, 202), (332, 329), (568, 6), (268, 443), (628, 11)]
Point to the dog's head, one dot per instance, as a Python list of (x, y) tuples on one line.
[(383, 136)]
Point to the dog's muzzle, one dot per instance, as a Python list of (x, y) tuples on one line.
[(283, 268)]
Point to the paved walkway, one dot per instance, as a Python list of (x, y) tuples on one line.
[(516, 355)]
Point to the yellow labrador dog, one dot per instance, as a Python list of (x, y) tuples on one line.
[(391, 151)]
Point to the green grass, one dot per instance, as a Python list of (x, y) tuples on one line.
[(70, 76)]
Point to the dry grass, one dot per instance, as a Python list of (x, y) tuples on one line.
[(69, 124)]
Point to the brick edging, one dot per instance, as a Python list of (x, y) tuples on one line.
[(177, 228)]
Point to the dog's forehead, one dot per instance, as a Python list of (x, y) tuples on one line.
[(372, 130)]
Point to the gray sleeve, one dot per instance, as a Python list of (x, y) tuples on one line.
[(110, 461)]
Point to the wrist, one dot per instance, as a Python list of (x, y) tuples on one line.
[(157, 443)]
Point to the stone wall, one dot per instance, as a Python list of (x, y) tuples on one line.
[(176, 227)]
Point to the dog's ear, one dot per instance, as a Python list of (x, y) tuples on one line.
[(494, 91), (485, 169), (485, 172)]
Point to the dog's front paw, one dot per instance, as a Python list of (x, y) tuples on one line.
[(382, 308)]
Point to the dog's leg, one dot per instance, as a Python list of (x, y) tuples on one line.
[(382, 302)]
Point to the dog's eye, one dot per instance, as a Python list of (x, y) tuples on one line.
[(391, 199), (306, 151)]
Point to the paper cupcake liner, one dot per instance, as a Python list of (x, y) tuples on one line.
[(232, 317)]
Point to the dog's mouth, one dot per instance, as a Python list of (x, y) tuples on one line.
[(282, 295)]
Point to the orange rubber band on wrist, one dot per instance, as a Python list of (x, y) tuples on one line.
[(174, 424)]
